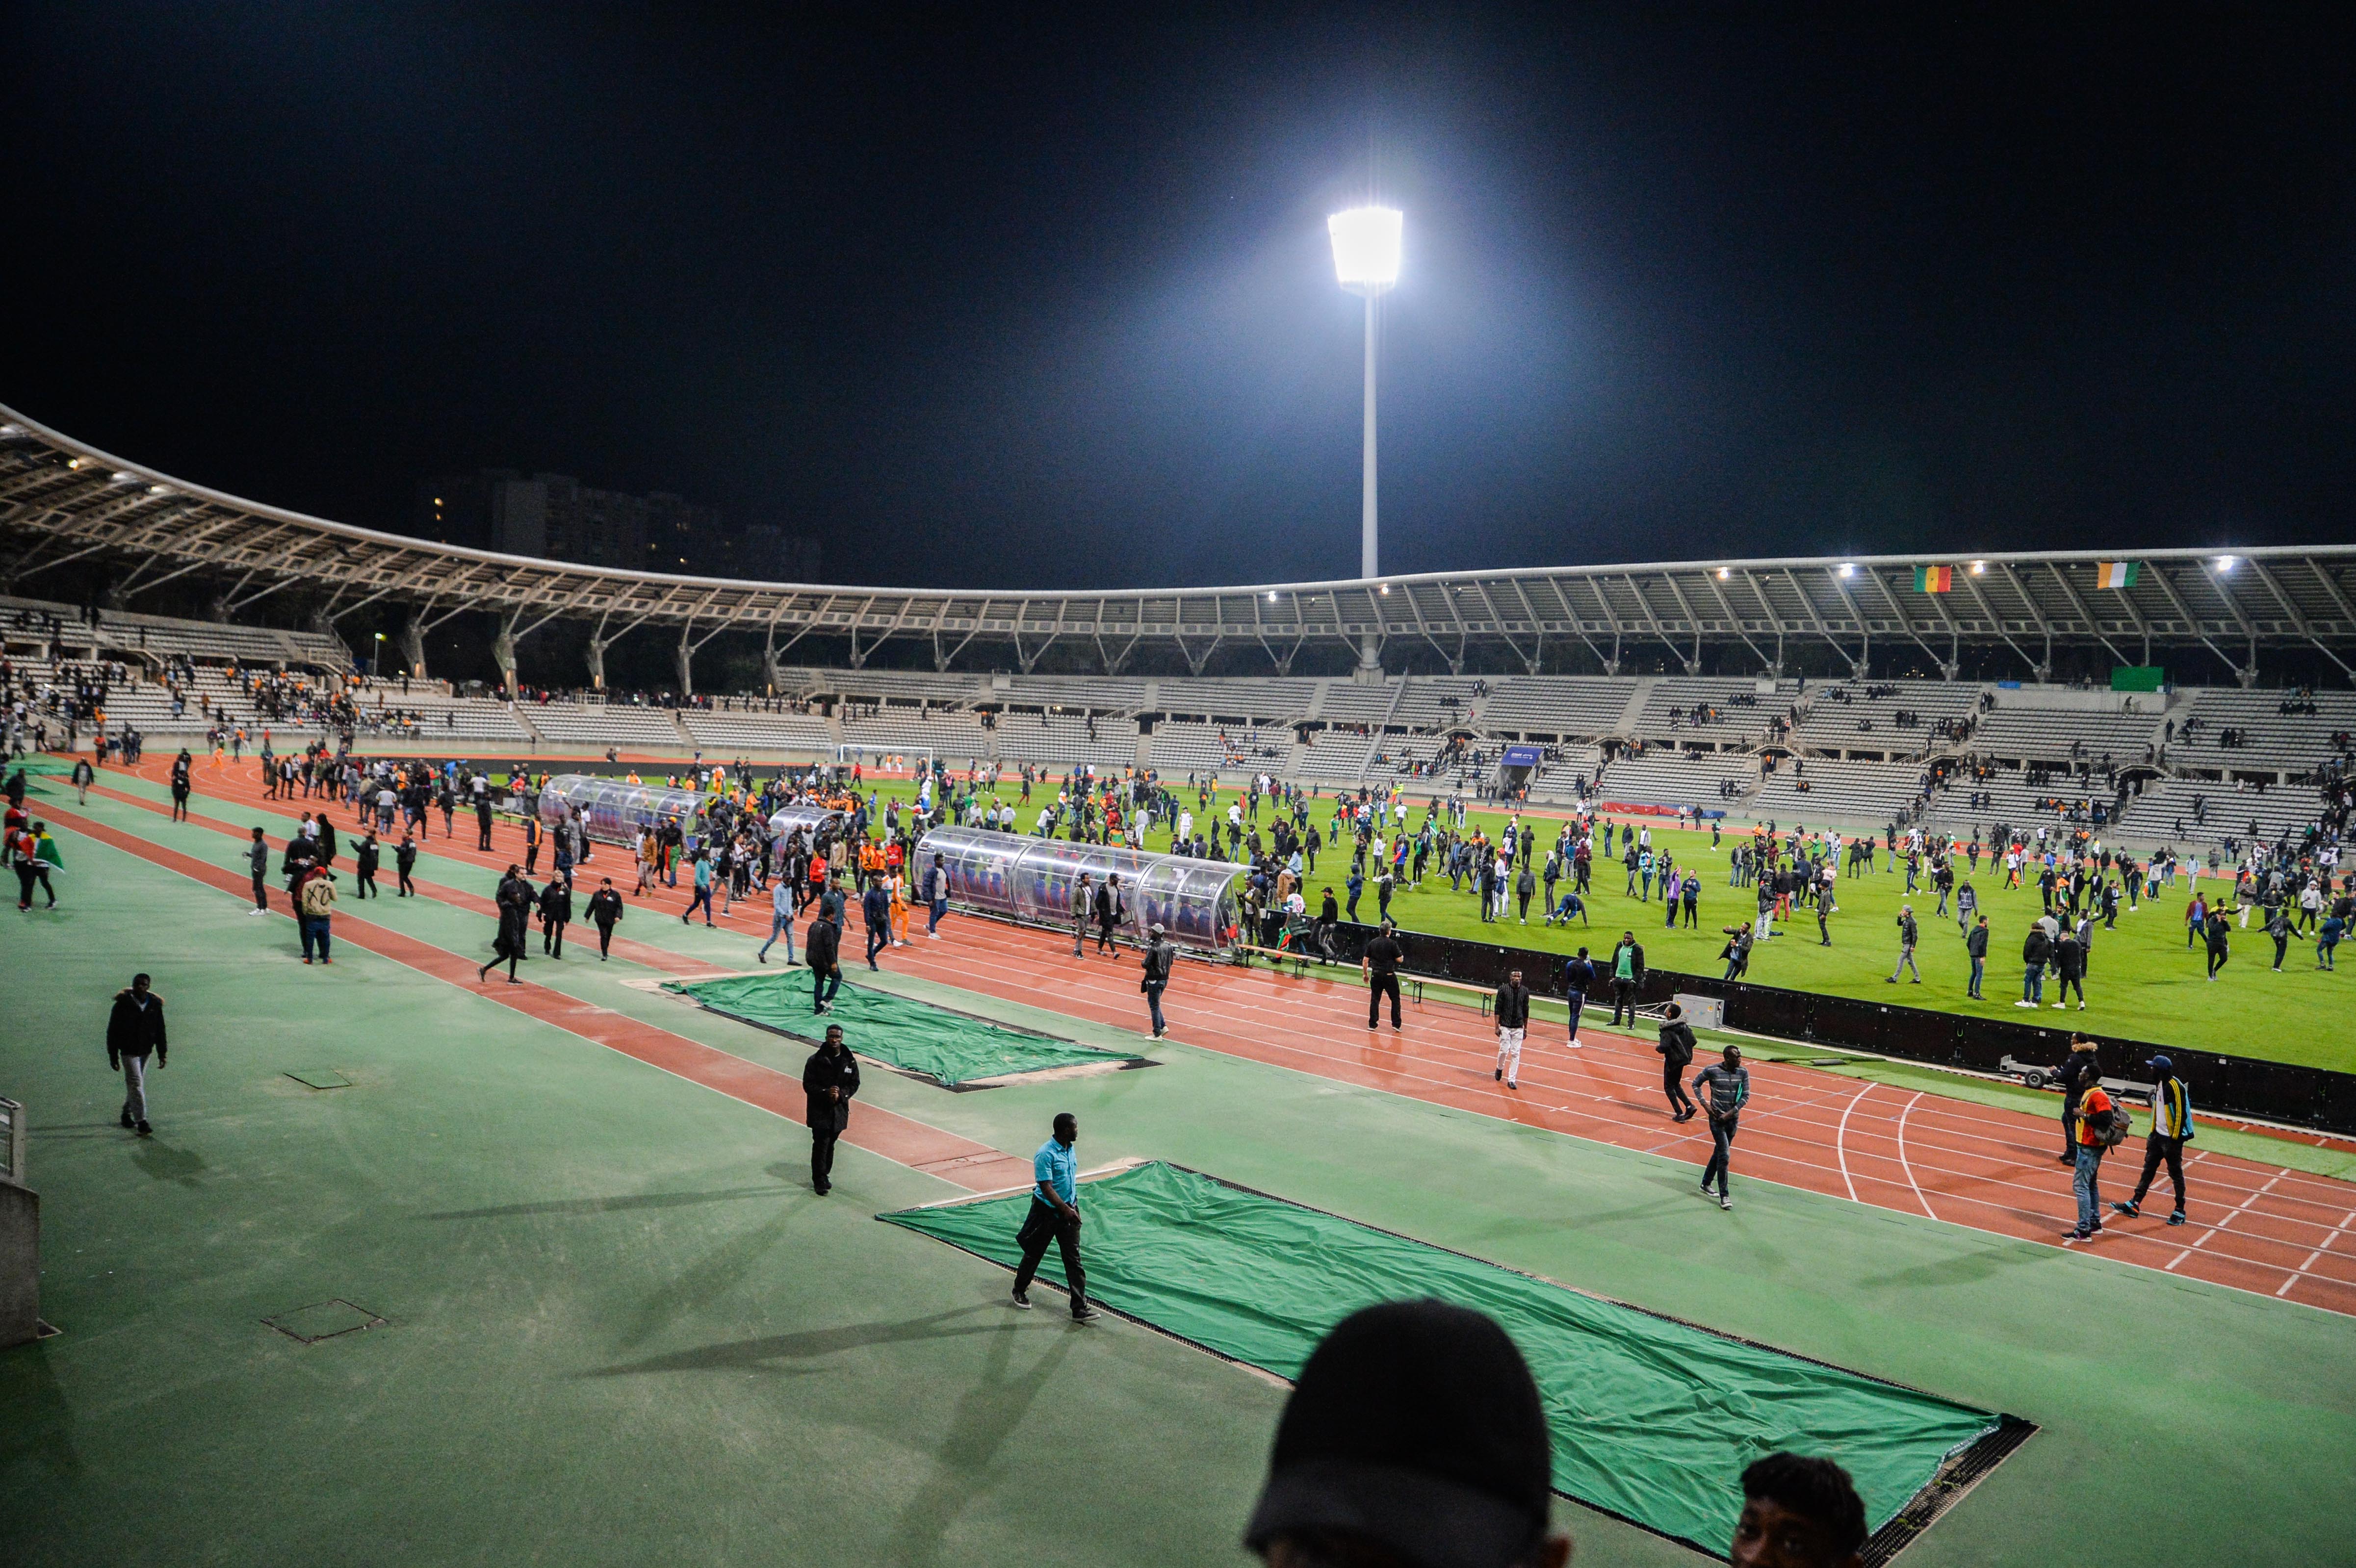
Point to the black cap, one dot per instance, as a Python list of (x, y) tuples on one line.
[(1418, 1426)]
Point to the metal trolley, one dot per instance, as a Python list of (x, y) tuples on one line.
[(1031, 881), (613, 812)]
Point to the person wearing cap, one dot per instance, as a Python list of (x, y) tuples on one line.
[(1157, 958), (1414, 1434), (829, 1078), (1054, 1217), (2171, 1128), (1513, 1027), (1798, 1513)]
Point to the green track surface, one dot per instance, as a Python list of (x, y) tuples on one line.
[(1653, 1420), (916, 1036), (620, 1329)]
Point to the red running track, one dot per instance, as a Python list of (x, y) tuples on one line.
[(2253, 1227)]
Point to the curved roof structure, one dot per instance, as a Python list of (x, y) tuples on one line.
[(69, 500)]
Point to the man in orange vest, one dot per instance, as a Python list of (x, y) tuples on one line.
[(2095, 1114)]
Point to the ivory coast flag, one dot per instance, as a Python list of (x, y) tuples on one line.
[(1933, 578), (2115, 573)]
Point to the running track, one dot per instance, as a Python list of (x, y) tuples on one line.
[(2253, 1227)]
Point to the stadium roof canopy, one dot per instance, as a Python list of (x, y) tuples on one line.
[(64, 500)]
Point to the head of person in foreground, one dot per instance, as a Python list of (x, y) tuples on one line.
[(1414, 1438), (1798, 1513)]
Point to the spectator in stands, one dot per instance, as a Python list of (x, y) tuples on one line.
[(1414, 1434), (1798, 1513)]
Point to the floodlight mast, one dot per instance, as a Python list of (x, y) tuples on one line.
[(1367, 260)]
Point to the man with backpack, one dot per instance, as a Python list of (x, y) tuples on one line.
[(2101, 1127), (1676, 1049), (2171, 1128), (1158, 961), (2079, 1073)]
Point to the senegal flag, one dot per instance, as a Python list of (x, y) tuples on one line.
[(1933, 578), (2115, 573)]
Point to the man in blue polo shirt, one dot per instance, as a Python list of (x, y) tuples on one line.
[(1055, 1216)]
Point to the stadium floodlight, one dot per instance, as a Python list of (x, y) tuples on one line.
[(1366, 248), (1367, 262), (2224, 563), (1849, 568)]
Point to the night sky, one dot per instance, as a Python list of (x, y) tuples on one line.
[(1014, 299)]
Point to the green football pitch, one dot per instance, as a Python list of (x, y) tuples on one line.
[(2143, 982), (616, 1327)]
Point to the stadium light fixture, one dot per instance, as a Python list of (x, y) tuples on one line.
[(159, 489), (1366, 241), (1849, 568), (1721, 574), (2224, 563), (1978, 567)]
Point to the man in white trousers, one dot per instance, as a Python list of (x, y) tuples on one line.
[(1513, 1023)]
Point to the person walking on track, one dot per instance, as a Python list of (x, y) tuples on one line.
[(1676, 1049), (605, 913), (1054, 1217), (781, 919), (180, 766), (2171, 1129), (514, 901), (1513, 1026), (1157, 959), (2079, 1072), (824, 951), (1578, 975), (134, 1030), (84, 775), (1111, 912), (1379, 967), (405, 864), (702, 897), (257, 860), (1724, 1088), (2096, 1116), (1627, 966), (829, 1078), (1084, 903)]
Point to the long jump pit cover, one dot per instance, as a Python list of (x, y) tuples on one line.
[(1654, 1419), (951, 1047)]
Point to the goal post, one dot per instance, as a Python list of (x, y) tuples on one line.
[(885, 761)]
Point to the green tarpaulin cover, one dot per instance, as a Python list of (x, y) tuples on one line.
[(1653, 1420), (881, 1027)]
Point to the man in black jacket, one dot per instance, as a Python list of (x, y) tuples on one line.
[(875, 909), (1512, 1025), (2036, 948), (823, 950), (405, 863), (2080, 1071), (1109, 910), (1378, 964), (605, 913), (829, 1078), (365, 860), (1976, 949), (1676, 1049), (515, 902), (1578, 975), (1159, 959), (134, 1030), (555, 915)]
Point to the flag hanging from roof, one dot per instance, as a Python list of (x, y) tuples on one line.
[(2115, 573), (1933, 578)]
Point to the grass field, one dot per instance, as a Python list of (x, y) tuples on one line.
[(2142, 981), (620, 1329)]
